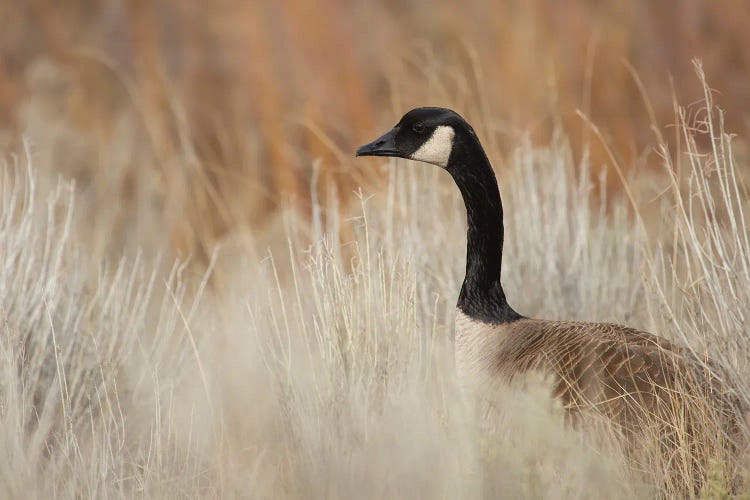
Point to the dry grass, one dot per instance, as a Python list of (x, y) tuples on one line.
[(212, 114), (303, 349), (325, 370)]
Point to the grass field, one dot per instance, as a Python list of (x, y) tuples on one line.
[(307, 362), (203, 294), (201, 119)]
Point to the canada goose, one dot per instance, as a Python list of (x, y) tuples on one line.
[(622, 372)]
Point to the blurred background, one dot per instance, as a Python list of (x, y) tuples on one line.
[(182, 121)]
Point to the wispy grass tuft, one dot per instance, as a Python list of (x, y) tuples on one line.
[(325, 369)]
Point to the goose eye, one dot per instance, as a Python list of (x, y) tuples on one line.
[(418, 127)]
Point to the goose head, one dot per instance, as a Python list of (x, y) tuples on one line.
[(423, 134)]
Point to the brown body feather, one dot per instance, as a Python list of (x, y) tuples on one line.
[(644, 384), (619, 371)]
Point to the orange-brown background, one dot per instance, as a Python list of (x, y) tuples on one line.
[(229, 102)]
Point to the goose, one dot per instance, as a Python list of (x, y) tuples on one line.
[(625, 374)]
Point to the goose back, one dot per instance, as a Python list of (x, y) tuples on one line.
[(628, 375)]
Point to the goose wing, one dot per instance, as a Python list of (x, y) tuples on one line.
[(622, 370)]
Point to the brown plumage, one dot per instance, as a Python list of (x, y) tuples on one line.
[(618, 371), (652, 390)]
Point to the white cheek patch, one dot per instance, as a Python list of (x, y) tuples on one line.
[(438, 148)]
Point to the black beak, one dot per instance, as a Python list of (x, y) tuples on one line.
[(383, 146)]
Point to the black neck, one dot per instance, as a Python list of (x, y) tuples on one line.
[(482, 296)]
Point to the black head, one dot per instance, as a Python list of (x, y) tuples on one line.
[(423, 134)]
